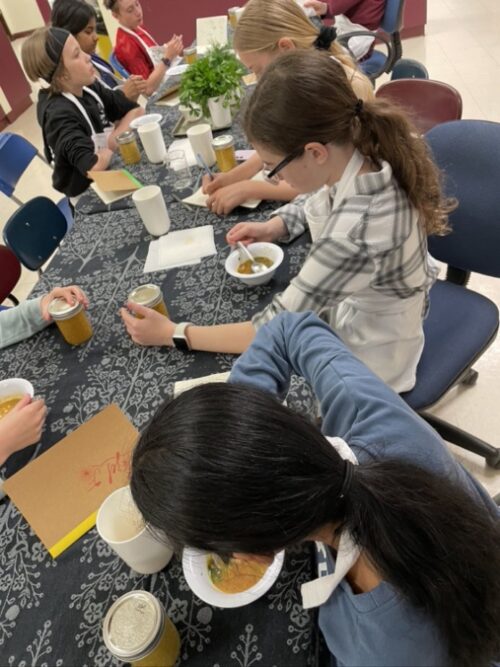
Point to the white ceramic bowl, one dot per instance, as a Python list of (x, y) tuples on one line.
[(15, 386), (260, 249), (144, 120), (194, 566)]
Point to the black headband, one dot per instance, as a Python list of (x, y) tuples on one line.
[(56, 39), (327, 35)]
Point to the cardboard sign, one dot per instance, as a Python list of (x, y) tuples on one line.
[(60, 492), (115, 180)]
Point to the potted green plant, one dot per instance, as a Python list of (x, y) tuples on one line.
[(213, 83)]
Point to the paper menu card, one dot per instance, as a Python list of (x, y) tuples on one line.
[(209, 31), (181, 248), (200, 199), (59, 492)]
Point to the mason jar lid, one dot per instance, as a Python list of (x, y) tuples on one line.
[(146, 295), (125, 137), (223, 141), (133, 626), (60, 309)]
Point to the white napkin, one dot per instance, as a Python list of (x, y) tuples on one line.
[(172, 101), (184, 385), (316, 592), (200, 199), (181, 248), (210, 30)]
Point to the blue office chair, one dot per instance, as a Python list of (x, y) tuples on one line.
[(462, 323), (9, 275), (377, 63), (34, 231), (16, 154), (406, 68), (116, 65)]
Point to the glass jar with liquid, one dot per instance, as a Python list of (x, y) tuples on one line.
[(127, 145), (137, 630), (224, 152), (71, 320), (149, 296), (190, 55)]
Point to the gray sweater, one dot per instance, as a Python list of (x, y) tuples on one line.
[(21, 322)]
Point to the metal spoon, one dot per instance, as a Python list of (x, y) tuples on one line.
[(256, 267)]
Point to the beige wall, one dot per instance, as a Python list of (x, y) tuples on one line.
[(21, 15)]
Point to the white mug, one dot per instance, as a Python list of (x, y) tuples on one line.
[(152, 209), (152, 142), (200, 137), (120, 524)]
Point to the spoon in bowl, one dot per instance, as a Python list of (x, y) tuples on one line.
[(256, 267)]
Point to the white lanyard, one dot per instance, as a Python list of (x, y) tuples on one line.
[(81, 108), (104, 69), (142, 42)]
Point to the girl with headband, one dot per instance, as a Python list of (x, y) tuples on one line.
[(371, 195), (265, 30), (80, 19), (74, 109), (407, 540)]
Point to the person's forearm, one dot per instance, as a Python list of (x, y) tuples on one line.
[(227, 338), (245, 170), (21, 322), (155, 78), (123, 125), (263, 190)]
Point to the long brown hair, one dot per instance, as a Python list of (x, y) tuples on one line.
[(304, 96), (265, 22)]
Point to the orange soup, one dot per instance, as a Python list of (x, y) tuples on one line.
[(246, 267), (236, 575), (7, 403)]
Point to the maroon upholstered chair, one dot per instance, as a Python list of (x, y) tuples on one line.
[(428, 102), (9, 274)]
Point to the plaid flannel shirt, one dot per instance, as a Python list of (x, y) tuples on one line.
[(372, 240)]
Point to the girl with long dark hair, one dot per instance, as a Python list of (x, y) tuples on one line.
[(413, 538)]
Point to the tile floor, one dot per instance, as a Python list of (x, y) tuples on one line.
[(461, 47)]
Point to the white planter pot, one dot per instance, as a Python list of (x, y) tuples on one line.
[(221, 116)]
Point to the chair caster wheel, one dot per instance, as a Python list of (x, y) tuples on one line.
[(470, 378)]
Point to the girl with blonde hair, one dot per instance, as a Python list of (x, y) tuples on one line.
[(266, 29)]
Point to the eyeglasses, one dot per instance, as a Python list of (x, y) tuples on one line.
[(271, 175)]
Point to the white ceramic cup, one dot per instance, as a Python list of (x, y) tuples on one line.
[(120, 524), (221, 115), (152, 142), (15, 387), (152, 209), (200, 137)]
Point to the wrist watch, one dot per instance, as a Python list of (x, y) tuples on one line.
[(179, 336), (166, 62)]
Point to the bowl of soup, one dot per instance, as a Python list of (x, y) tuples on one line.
[(232, 583), (11, 392), (269, 254)]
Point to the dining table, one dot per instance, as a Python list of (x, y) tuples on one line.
[(51, 610)]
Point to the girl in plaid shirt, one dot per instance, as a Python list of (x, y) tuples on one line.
[(370, 196)]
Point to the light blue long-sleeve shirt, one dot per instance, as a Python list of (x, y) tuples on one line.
[(378, 628), (21, 322)]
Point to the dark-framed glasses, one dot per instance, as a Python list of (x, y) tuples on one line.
[(271, 175)]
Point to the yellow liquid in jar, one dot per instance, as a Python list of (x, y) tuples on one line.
[(161, 308), (130, 152), (233, 20), (226, 158), (7, 403), (75, 330), (190, 58), (167, 651)]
